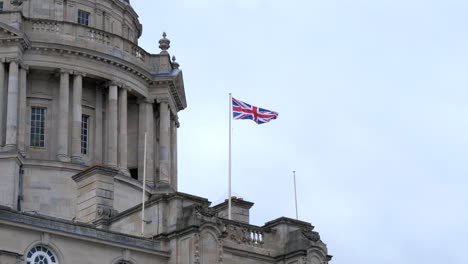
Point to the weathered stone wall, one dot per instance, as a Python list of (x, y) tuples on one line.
[(81, 245), (49, 190), (113, 16)]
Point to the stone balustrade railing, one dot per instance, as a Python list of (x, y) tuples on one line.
[(98, 36), (245, 234), (45, 26), (86, 37)]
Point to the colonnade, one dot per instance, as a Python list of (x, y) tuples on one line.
[(162, 144)]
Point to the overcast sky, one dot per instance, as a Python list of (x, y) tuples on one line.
[(373, 115)]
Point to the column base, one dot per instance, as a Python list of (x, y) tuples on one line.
[(163, 188), (9, 148), (77, 160), (63, 158), (125, 172)]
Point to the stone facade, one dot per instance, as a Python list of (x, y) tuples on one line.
[(85, 115)]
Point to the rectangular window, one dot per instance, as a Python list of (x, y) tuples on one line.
[(83, 17), (1, 5), (84, 134), (38, 115)]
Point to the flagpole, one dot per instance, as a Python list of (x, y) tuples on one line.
[(295, 194), (230, 130)]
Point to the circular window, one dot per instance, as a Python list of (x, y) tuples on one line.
[(41, 255)]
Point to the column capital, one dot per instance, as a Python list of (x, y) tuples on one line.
[(126, 87), (78, 73), (24, 67), (175, 118), (162, 100), (16, 60), (62, 70)]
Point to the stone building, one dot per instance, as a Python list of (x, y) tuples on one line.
[(79, 99)]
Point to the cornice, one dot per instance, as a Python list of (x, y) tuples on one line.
[(80, 231), (104, 58), (15, 35)]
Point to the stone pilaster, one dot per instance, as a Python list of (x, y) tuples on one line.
[(164, 143), (99, 125), (146, 125), (112, 136), (22, 110), (77, 117), (95, 189), (64, 110), (3, 92), (174, 126), (12, 108), (123, 131)]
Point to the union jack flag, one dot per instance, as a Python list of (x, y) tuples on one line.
[(241, 110)]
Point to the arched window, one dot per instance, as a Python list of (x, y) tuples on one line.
[(123, 262), (41, 255)]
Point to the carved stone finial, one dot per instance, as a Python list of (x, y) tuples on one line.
[(164, 43), (174, 63)]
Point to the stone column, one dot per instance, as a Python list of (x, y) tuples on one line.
[(64, 110), (22, 110), (112, 136), (174, 126), (123, 131), (164, 143), (146, 125), (3, 92), (77, 117), (12, 108), (99, 124)]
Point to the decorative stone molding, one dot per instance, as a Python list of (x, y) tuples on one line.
[(220, 250), (45, 239), (311, 235), (204, 211), (134, 69), (196, 253), (106, 212)]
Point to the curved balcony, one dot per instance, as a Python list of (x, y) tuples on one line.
[(79, 36)]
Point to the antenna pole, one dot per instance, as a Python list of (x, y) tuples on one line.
[(295, 194)]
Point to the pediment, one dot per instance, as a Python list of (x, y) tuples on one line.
[(9, 33)]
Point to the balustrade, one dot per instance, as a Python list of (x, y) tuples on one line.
[(245, 234), (45, 25), (108, 40)]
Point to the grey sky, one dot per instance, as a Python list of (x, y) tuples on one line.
[(372, 109)]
